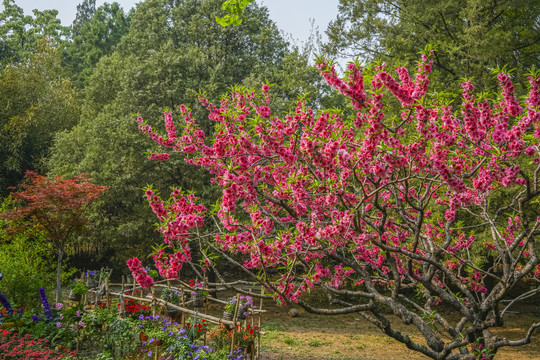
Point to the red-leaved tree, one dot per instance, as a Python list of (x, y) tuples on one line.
[(404, 206), (56, 206)]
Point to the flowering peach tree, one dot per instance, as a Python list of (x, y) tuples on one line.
[(406, 201)]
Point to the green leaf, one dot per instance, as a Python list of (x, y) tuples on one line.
[(235, 7)]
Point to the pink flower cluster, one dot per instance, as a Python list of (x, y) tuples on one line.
[(353, 88), (140, 273)]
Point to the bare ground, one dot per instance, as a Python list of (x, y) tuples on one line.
[(348, 337)]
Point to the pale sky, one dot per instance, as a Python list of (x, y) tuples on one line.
[(291, 16)]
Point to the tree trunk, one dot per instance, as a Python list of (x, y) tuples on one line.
[(59, 276)]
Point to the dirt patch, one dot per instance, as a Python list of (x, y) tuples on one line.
[(348, 337)]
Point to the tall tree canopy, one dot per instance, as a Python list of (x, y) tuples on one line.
[(20, 34), (37, 102), (471, 36), (95, 33), (85, 12)]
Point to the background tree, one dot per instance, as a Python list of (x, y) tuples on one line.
[(471, 36), (85, 12), (20, 34), (37, 101), (56, 207), (95, 33), (13, 24)]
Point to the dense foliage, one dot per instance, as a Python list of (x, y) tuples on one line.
[(95, 34), (471, 36), (38, 101)]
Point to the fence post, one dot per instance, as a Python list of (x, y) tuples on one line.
[(86, 302), (234, 322), (258, 351), (96, 292), (183, 305), (153, 301), (107, 279)]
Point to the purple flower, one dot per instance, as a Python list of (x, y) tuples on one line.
[(58, 324), (45, 303), (6, 304)]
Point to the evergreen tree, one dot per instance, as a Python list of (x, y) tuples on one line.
[(95, 33), (85, 12)]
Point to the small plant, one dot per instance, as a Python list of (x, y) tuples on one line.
[(61, 326), (244, 304), (172, 296), (196, 328), (173, 340), (289, 341), (315, 343), (245, 336), (134, 309), (198, 290), (118, 338), (79, 287), (45, 304), (7, 309), (481, 352), (93, 277)]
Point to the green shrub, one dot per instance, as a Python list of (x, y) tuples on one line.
[(23, 262)]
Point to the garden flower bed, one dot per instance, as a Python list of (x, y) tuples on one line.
[(123, 326), (25, 347)]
